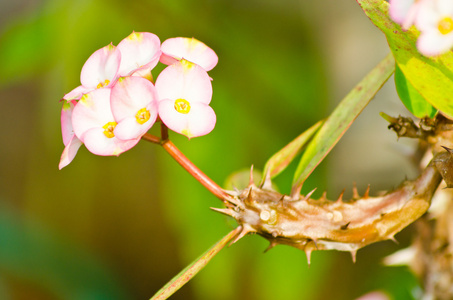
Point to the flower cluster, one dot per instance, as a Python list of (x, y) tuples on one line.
[(117, 101), (433, 18)]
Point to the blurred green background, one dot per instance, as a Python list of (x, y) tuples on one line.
[(121, 227)]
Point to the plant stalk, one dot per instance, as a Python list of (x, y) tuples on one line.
[(191, 270)]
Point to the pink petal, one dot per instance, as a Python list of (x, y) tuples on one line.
[(144, 73), (184, 80), (97, 143), (66, 121), (399, 9), (428, 18), (92, 111), (431, 12), (77, 93), (199, 121), (101, 68), (128, 128), (140, 50), (167, 59), (69, 152), (432, 43), (129, 95), (445, 7), (190, 49)]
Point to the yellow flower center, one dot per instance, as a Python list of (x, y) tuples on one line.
[(108, 129), (103, 84), (182, 106), (445, 25), (142, 116)]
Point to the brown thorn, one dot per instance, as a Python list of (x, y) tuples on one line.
[(251, 181), (340, 198), (448, 150), (392, 238), (249, 195), (309, 195), (345, 226), (271, 245), (246, 229), (308, 254), (225, 211), (295, 192), (355, 192), (367, 192), (267, 184), (324, 196), (234, 201), (316, 244), (281, 201)]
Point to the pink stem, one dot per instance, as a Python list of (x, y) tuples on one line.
[(186, 163), (194, 171)]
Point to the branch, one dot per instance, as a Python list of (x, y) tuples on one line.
[(194, 171), (191, 270)]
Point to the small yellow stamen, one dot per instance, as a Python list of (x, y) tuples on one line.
[(182, 106), (108, 129), (142, 116), (103, 84), (445, 25)]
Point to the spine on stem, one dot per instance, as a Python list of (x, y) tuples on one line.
[(309, 224)]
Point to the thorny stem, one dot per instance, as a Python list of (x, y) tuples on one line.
[(207, 182), (191, 270)]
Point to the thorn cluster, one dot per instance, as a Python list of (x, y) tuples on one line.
[(320, 224)]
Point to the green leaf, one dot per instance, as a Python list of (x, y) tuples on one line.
[(412, 99), (191, 270), (432, 77), (280, 160), (341, 119)]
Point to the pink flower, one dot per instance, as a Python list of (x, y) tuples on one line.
[(190, 49), (134, 105), (435, 21), (405, 12), (140, 53), (94, 124), (184, 90), (70, 140), (100, 70)]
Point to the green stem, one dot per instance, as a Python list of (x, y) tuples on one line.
[(191, 270)]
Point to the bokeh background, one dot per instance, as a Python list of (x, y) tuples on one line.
[(121, 227)]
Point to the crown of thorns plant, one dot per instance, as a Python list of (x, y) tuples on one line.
[(118, 101)]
